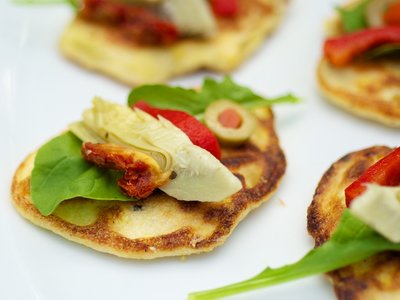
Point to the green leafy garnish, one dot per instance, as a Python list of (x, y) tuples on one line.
[(353, 18), (74, 3), (196, 101), (167, 97), (61, 173), (351, 242), (383, 51)]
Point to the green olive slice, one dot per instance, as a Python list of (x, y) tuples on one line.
[(231, 123)]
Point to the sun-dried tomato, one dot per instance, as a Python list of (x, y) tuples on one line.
[(133, 23)]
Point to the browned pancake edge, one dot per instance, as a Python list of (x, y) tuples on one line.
[(363, 95), (377, 277)]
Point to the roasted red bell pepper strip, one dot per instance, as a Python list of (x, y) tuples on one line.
[(341, 50), (385, 172), (225, 8), (392, 15), (199, 134)]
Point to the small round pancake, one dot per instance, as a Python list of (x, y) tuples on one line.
[(98, 48), (160, 225), (377, 277), (367, 89)]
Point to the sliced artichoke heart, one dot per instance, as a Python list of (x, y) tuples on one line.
[(199, 175), (192, 17), (113, 123), (379, 207), (85, 133)]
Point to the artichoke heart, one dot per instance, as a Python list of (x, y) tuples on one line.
[(379, 207), (192, 17), (199, 175)]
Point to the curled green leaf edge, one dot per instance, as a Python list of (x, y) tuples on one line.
[(351, 242)]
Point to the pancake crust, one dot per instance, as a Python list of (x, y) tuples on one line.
[(368, 89), (160, 225), (377, 277), (99, 48)]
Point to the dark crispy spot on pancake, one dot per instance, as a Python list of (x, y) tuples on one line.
[(357, 169), (391, 80), (380, 273), (179, 238), (173, 175), (137, 207), (236, 161), (241, 178), (188, 206), (217, 213), (350, 288)]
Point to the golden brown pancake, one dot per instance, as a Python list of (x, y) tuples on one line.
[(369, 89), (377, 277), (160, 225), (100, 49)]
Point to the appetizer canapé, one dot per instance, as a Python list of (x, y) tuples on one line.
[(375, 277), (142, 181), (360, 67), (355, 219), (153, 40)]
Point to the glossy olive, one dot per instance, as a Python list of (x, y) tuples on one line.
[(229, 132)]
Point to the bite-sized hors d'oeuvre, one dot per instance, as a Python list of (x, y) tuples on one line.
[(149, 179), (355, 219), (360, 67), (147, 41)]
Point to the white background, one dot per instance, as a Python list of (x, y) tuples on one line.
[(41, 92)]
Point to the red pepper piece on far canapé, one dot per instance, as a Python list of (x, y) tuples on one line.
[(392, 14), (199, 134), (225, 8), (342, 50), (385, 172)]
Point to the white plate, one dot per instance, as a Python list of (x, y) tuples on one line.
[(41, 92)]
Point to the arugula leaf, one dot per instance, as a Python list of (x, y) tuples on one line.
[(226, 89), (384, 50), (167, 97), (353, 18), (74, 3), (195, 102), (61, 173), (351, 242)]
